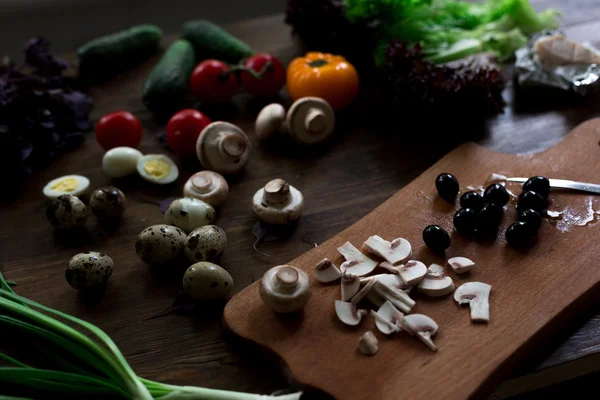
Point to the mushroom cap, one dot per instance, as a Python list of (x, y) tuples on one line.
[(389, 318), (461, 265), (476, 294), (285, 212), (284, 288), (413, 272), (436, 283), (348, 313), (207, 186), (325, 271), (223, 147), (350, 286), (310, 120), (270, 120)]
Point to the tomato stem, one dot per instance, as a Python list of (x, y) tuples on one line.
[(238, 69)]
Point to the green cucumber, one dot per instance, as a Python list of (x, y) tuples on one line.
[(166, 86), (211, 41), (108, 55)]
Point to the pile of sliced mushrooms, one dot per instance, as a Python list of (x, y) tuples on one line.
[(388, 292)]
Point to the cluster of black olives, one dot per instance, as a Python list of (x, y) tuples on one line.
[(531, 207), (480, 216)]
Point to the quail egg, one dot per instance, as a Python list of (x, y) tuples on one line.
[(205, 243), (207, 281), (188, 213), (121, 161), (108, 202), (159, 244), (75, 185), (157, 168), (66, 211), (88, 270)]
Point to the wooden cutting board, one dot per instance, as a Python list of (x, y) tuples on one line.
[(534, 293)]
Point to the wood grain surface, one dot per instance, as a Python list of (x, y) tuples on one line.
[(342, 182), (533, 292)]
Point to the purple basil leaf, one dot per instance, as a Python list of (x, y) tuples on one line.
[(26, 151), (37, 54)]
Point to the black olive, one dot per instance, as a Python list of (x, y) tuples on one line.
[(538, 184), (465, 222), (447, 186), (436, 238), (531, 199), (519, 234), (496, 194), (532, 218), (489, 219), (472, 200)]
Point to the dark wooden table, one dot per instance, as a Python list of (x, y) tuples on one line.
[(341, 182)]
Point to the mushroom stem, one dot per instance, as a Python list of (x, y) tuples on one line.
[(315, 120), (286, 279), (368, 344), (231, 145), (277, 192), (202, 183)]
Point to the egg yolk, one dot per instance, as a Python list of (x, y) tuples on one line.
[(65, 185), (157, 168)]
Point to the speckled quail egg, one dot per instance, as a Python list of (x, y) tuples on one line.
[(188, 213), (75, 185), (89, 269), (108, 202), (205, 243), (157, 168), (159, 244), (207, 281), (121, 161), (66, 212)]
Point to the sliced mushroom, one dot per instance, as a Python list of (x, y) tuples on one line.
[(270, 121), (394, 252), (461, 265), (326, 271), (350, 286), (476, 295), (363, 292), (310, 120), (223, 147), (368, 344), (278, 203), (348, 313), (389, 279), (397, 297), (412, 272), (436, 283), (285, 289), (423, 327), (387, 318), (356, 262), (207, 186)]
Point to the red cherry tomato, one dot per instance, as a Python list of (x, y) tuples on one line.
[(120, 128), (183, 130), (210, 82), (272, 80)]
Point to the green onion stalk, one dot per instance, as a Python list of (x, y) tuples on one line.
[(83, 366)]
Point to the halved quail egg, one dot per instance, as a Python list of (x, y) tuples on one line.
[(157, 168), (121, 161), (75, 185)]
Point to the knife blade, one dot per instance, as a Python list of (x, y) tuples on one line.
[(565, 184)]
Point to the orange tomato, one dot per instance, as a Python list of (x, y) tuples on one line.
[(323, 75)]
